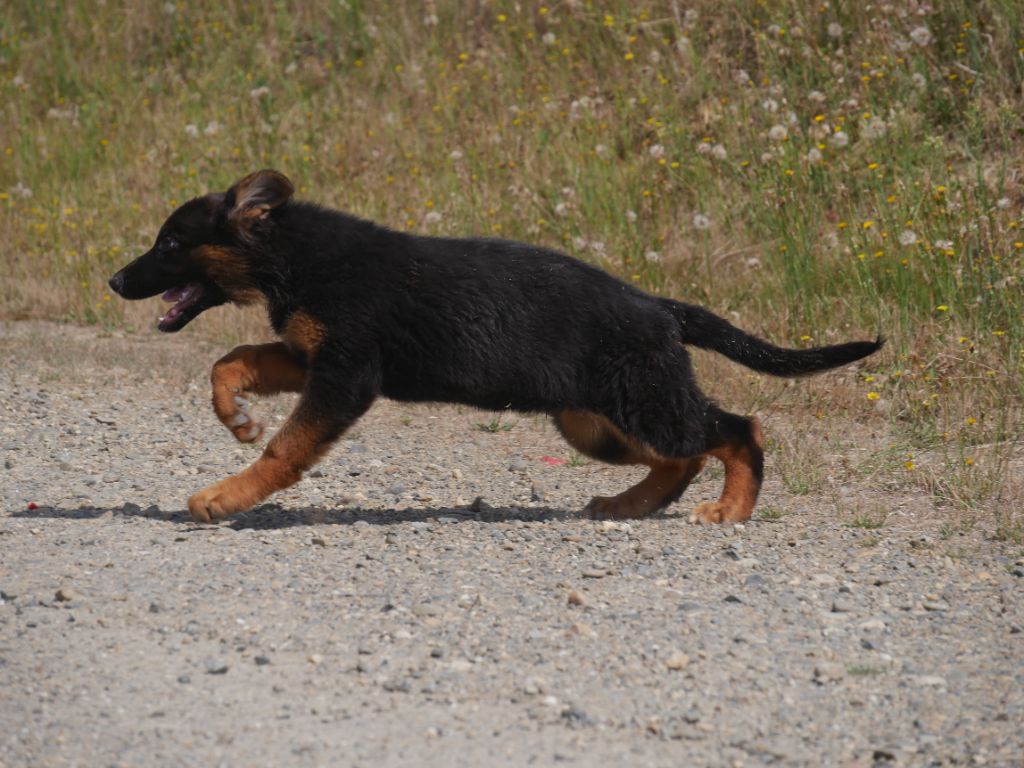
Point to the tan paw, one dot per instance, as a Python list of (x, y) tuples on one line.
[(218, 501), (719, 512), (613, 508), (237, 416), (232, 406)]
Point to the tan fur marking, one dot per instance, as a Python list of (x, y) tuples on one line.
[(663, 482), (588, 432), (305, 333), (294, 449), (594, 435), (228, 270), (266, 369), (739, 493)]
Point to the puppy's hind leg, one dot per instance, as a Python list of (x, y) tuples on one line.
[(738, 443), (595, 436)]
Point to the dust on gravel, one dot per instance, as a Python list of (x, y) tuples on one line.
[(375, 615)]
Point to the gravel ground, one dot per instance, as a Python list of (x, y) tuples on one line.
[(377, 615)]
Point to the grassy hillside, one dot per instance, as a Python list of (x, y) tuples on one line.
[(813, 170)]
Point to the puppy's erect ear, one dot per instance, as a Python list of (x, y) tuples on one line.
[(255, 196)]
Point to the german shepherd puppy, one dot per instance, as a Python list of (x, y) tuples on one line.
[(362, 311)]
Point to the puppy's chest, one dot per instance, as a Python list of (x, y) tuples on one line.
[(303, 334)]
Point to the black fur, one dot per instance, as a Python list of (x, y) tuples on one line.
[(488, 323)]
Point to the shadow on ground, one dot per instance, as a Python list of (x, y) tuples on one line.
[(274, 516)]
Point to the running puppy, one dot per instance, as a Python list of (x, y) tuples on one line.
[(363, 311)]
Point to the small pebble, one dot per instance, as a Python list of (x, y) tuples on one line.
[(677, 660), (829, 672), (215, 666)]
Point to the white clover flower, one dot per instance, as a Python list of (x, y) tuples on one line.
[(767, 157), (919, 81), (549, 38), (653, 257), (561, 209), (192, 130), (778, 132), (597, 246), (20, 190), (774, 30), (816, 96), (718, 152), (1003, 203), (700, 221), (601, 150), (430, 20), (432, 217), (656, 151), (770, 105), (169, 9), (212, 128), (944, 245), (260, 93), (839, 139), (814, 155), (579, 243), (874, 129), (921, 36), (703, 148), (908, 237), (630, 216), (835, 31), (683, 44), (690, 17), (741, 77), (18, 81), (455, 155)]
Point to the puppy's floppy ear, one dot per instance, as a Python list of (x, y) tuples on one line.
[(255, 196)]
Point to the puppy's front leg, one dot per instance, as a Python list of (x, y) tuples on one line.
[(318, 420), (264, 369)]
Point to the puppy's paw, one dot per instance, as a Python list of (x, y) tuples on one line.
[(613, 508), (218, 501), (236, 415), (719, 512), (231, 381)]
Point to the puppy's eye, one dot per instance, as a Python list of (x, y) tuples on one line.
[(168, 243)]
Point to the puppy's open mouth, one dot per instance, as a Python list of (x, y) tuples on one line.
[(185, 307)]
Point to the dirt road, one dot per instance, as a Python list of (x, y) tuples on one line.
[(374, 616)]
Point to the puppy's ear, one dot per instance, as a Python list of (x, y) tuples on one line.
[(255, 196)]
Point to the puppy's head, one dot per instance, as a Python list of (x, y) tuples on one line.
[(203, 255)]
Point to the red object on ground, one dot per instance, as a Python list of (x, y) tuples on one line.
[(33, 505), (552, 461)]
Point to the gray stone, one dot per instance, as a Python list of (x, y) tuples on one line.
[(215, 666)]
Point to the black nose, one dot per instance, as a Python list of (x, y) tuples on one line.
[(117, 283)]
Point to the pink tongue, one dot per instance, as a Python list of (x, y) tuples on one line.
[(174, 293)]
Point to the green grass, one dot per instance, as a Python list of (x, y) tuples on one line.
[(577, 460), (493, 426), (868, 521), (771, 514), (811, 171)]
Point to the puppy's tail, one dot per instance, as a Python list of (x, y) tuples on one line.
[(704, 329)]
